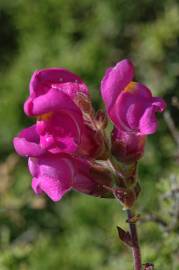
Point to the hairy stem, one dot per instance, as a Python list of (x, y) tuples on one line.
[(135, 249)]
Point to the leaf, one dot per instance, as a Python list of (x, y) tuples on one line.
[(125, 236)]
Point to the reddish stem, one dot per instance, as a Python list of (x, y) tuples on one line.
[(135, 249)]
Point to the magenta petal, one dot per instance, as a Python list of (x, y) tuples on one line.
[(71, 89), (54, 100), (33, 166), (66, 144), (52, 174), (27, 142), (54, 188), (36, 186), (159, 103), (115, 80), (61, 132), (42, 80), (148, 122), (60, 122), (141, 90), (28, 105), (127, 111), (134, 110)]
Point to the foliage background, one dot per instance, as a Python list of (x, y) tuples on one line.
[(86, 37)]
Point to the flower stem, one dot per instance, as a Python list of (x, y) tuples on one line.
[(136, 248)]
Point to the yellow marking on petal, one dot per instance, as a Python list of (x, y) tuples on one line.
[(44, 116), (130, 87)]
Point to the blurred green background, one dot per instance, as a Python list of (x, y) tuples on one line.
[(86, 37)]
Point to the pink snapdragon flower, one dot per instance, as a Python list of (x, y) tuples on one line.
[(57, 99), (130, 105), (56, 174), (60, 121), (132, 109)]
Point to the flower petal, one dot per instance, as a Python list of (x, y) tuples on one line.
[(159, 103), (60, 133), (53, 175), (71, 89), (42, 80), (148, 122), (54, 100), (135, 108), (115, 80), (54, 188), (27, 142)]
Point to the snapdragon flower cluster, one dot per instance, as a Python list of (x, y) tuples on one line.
[(67, 148)]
